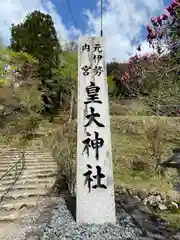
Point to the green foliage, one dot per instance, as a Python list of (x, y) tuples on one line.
[(174, 31), (111, 85), (37, 36), (154, 77), (20, 101), (62, 144), (3, 81), (15, 61), (116, 70), (162, 81), (21, 57), (64, 79), (68, 70)]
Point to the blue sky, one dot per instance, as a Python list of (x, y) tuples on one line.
[(78, 8), (124, 21)]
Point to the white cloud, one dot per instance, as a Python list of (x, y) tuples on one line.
[(122, 23), (14, 11)]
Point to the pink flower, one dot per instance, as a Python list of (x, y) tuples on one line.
[(169, 8), (152, 35), (159, 20), (175, 4), (126, 74), (164, 17), (124, 79), (149, 40), (136, 57), (149, 29), (153, 20), (160, 36)]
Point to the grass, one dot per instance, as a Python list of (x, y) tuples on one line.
[(137, 142), (172, 218), (136, 147)]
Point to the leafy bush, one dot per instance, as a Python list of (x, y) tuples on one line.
[(62, 144), (20, 99), (37, 36), (157, 75)]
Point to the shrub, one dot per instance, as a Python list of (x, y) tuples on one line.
[(62, 144)]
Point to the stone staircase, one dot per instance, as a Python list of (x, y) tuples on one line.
[(23, 186)]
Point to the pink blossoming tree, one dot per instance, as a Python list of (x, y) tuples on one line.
[(158, 73)]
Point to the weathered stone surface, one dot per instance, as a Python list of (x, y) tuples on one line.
[(176, 237), (94, 157), (152, 226), (132, 192), (142, 194), (32, 226), (146, 238), (152, 200), (36, 181), (162, 206), (174, 195)]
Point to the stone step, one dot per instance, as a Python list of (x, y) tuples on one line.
[(29, 152), (20, 203), (26, 186), (4, 182), (29, 163), (7, 229), (40, 175), (18, 194), (33, 157), (8, 153), (37, 167), (12, 215), (37, 156), (27, 172)]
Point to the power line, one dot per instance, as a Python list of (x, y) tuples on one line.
[(101, 33), (73, 18), (71, 13)]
